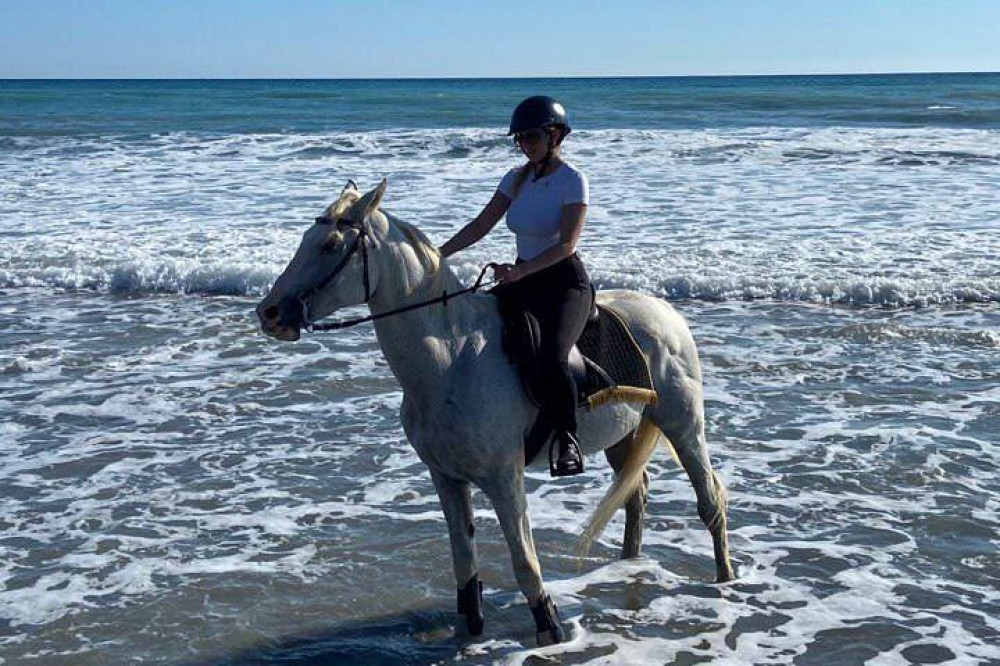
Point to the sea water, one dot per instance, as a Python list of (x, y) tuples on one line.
[(177, 488)]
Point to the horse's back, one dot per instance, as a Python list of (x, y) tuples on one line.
[(661, 332)]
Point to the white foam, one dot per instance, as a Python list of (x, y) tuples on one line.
[(153, 440), (708, 214)]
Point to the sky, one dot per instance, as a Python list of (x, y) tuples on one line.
[(472, 38)]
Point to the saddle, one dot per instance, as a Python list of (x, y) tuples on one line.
[(606, 363)]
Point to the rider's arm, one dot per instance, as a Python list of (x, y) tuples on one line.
[(480, 226), (571, 221)]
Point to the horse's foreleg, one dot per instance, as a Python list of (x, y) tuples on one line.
[(636, 504), (506, 491), (456, 501)]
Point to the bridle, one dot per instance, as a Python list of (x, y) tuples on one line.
[(305, 296)]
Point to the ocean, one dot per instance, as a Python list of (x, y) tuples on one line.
[(175, 488)]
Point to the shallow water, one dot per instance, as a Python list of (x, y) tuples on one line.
[(175, 488), (203, 495)]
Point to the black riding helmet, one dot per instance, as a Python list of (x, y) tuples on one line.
[(539, 111)]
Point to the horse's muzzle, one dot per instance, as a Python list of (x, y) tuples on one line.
[(282, 320)]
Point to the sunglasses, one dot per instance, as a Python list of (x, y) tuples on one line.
[(529, 137)]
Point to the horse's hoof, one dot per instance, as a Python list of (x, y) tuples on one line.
[(551, 636), (475, 623), (470, 604), (547, 622), (726, 576)]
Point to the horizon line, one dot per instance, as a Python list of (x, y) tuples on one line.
[(490, 78)]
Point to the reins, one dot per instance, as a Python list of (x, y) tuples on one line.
[(443, 298), (348, 323)]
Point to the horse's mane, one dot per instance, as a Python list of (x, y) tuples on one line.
[(427, 254), (339, 207)]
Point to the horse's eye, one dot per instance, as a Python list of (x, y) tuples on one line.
[(332, 242)]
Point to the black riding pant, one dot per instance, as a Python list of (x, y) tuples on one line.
[(560, 298)]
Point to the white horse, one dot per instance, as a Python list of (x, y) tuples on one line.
[(464, 410)]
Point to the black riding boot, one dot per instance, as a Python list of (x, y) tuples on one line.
[(565, 458)]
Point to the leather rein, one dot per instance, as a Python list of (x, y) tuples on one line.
[(361, 244)]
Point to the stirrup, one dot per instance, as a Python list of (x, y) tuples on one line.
[(565, 458)]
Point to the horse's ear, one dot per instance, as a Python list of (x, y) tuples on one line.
[(370, 202)]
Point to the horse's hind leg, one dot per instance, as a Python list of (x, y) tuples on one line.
[(456, 502), (683, 422), (636, 504)]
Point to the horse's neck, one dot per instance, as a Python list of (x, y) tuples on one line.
[(421, 345)]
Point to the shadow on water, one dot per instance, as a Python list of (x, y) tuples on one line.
[(407, 638), (411, 638)]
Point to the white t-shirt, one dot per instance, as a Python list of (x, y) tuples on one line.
[(535, 214)]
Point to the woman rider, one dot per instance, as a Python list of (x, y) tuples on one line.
[(545, 202)]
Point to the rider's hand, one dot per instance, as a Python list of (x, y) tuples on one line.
[(505, 273)]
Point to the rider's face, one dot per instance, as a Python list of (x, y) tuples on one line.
[(534, 143)]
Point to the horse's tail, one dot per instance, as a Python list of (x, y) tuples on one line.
[(627, 481)]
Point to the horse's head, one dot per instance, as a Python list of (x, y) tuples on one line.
[(330, 269)]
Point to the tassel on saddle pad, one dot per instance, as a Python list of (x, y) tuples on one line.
[(607, 343)]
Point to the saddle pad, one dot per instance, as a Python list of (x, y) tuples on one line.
[(617, 371), (608, 343)]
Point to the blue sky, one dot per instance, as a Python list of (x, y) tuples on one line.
[(422, 38)]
